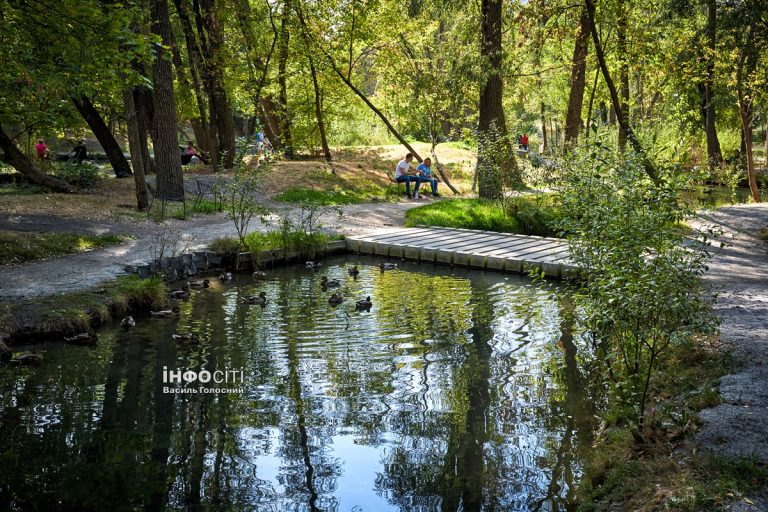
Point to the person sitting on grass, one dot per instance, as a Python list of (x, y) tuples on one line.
[(404, 173), (425, 175)]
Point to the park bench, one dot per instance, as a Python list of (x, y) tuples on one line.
[(209, 187), (163, 199)]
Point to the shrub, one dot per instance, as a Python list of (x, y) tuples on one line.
[(82, 175), (639, 290)]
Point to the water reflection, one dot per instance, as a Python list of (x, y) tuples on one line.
[(459, 390)]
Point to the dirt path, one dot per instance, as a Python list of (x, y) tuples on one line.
[(738, 427), (86, 270)]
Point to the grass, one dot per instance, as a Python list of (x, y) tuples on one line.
[(528, 215), (19, 189), (666, 472), (337, 195), (16, 247), (59, 315), (178, 211), (304, 244)]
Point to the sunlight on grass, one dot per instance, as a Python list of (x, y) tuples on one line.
[(18, 247)]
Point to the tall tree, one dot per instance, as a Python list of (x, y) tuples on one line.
[(623, 120), (282, 65), (212, 33), (713, 143), (104, 135), (578, 80), (492, 127), (316, 87), (621, 47), (134, 145), (170, 182), (746, 65)]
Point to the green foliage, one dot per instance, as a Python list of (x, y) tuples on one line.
[(225, 245), (525, 214), (81, 175), (20, 189), (640, 290), (17, 247)]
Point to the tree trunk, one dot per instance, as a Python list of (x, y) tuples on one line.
[(713, 143), (376, 111), (648, 166), (765, 150), (491, 113), (745, 67), (104, 136), (194, 62), (134, 144), (285, 119), (316, 86), (592, 102), (621, 34), (578, 81), (170, 182), (24, 165), (269, 119), (225, 127), (544, 139)]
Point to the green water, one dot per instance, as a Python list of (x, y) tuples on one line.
[(459, 390)]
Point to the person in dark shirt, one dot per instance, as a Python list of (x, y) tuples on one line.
[(79, 152)]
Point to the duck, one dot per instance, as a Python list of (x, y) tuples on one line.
[(128, 323), (353, 271), (364, 305), (313, 265), (387, 266), (33, 358), (259, 275), (180, 294), (329, 283), (165, 313), (186, 338), (335, 299), (83, 339), (225, 276), (199, 285), (260, 299)]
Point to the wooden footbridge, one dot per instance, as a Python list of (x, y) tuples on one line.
[(468, 248)]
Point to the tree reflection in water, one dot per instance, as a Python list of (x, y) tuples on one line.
[(459, 391)]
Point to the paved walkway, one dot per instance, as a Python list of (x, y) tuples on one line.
[(86, 270), (739, 425)]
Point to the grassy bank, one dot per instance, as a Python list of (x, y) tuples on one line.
[(665, 471), (529, 215), (18, 247), (59, 315)]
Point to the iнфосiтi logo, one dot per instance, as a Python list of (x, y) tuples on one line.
[(218, 381)]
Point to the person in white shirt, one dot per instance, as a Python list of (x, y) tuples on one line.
[(404, 173)]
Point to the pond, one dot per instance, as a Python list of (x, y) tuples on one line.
[(458, 390)]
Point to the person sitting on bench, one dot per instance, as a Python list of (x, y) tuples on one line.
[(79, 152), (404, 173), (191, 151), (425, 175)]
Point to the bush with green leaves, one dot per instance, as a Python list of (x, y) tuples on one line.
[(80, 175), (638, 290)]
